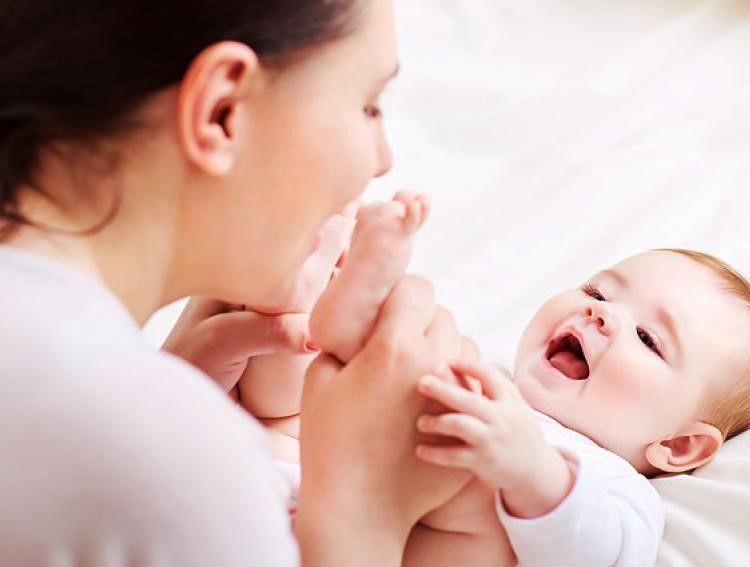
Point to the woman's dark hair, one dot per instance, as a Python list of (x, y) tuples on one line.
[(72, 70)]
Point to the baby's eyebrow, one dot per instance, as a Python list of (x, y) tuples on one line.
[(615, 275), (668, 320), (664, 316)]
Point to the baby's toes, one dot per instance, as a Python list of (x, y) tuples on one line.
[(424, 202), (406, 196), (417, 210), (380, 213)]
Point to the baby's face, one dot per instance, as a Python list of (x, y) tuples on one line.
[(627, 358)]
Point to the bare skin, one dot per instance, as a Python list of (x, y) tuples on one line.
[(381, 245), (380, 251), (271, 385)]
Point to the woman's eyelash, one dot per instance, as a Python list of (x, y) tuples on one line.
[(592, 291), (373, 111)]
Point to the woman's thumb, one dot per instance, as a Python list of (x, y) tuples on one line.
[(245, 333)]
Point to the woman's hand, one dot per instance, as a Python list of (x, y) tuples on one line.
[(219, 339), (358, 434)]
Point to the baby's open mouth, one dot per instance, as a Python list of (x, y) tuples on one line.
[(566, 355)]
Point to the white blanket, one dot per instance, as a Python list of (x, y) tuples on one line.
[(559, 136)]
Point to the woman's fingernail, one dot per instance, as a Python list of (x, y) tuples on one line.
[(311, 346)]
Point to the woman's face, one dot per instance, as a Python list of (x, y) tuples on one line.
[(311, 142)]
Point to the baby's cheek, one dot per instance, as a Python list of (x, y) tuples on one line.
[(626, 389), (543, 324)]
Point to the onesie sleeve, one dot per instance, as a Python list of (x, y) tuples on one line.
[(611, 518)]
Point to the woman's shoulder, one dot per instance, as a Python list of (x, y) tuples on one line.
[(110, 445), (172, 472)]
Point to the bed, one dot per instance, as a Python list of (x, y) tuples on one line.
[(558, 136)]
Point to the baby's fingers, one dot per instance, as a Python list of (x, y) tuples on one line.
[(463, 427), (458, 457), (455, 397), (495, 382)]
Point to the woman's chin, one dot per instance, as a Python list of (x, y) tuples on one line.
[(282, 298)]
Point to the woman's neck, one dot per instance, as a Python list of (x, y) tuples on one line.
[(130, 254), (127, 278)]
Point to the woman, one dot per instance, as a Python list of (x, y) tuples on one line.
[(153, 150)]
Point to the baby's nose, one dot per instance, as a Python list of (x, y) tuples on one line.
[(601, 315)]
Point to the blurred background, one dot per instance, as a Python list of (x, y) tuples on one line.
[(557, 137)]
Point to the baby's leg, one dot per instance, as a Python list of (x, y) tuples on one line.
[(464, 531), (380, 251), (271, 386)]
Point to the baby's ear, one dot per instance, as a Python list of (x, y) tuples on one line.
[(691, 447)]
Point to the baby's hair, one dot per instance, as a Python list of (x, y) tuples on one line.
[(729, 410)]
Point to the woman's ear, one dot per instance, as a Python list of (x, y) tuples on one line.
[(210, 94), (690, 448)]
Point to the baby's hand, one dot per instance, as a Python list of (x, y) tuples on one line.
[(501, 440)]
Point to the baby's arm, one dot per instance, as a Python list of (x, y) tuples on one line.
[(554, 509), (463, 531)]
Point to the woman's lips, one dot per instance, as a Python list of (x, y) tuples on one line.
[(566, 355)]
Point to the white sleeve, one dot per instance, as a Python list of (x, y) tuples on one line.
[(136, 464), (611, 522)]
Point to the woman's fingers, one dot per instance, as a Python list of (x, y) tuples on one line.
[(495, 382), (243, 334), (408, 310), (455, 397), (467, 428), (319, 374), (221, 344), (444, 340), (469, 351)]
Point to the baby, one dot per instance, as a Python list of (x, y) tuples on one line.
[(379, 250), (640, 371)]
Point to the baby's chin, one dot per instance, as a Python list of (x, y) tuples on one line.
[(531, 391)]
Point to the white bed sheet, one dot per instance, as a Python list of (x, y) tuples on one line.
[(557, 137)]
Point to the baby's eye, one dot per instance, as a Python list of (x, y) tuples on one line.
[(592, 291), (647, 340), (373, 111)]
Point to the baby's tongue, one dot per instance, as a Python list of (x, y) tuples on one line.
[(570, 365)]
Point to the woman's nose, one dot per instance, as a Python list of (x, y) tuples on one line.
[(383, 152), (600, 314)]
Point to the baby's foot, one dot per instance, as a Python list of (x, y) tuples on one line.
[(380, 251), (271, 385), (318, 268)]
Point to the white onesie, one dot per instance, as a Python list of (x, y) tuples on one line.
[(613, 516)]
